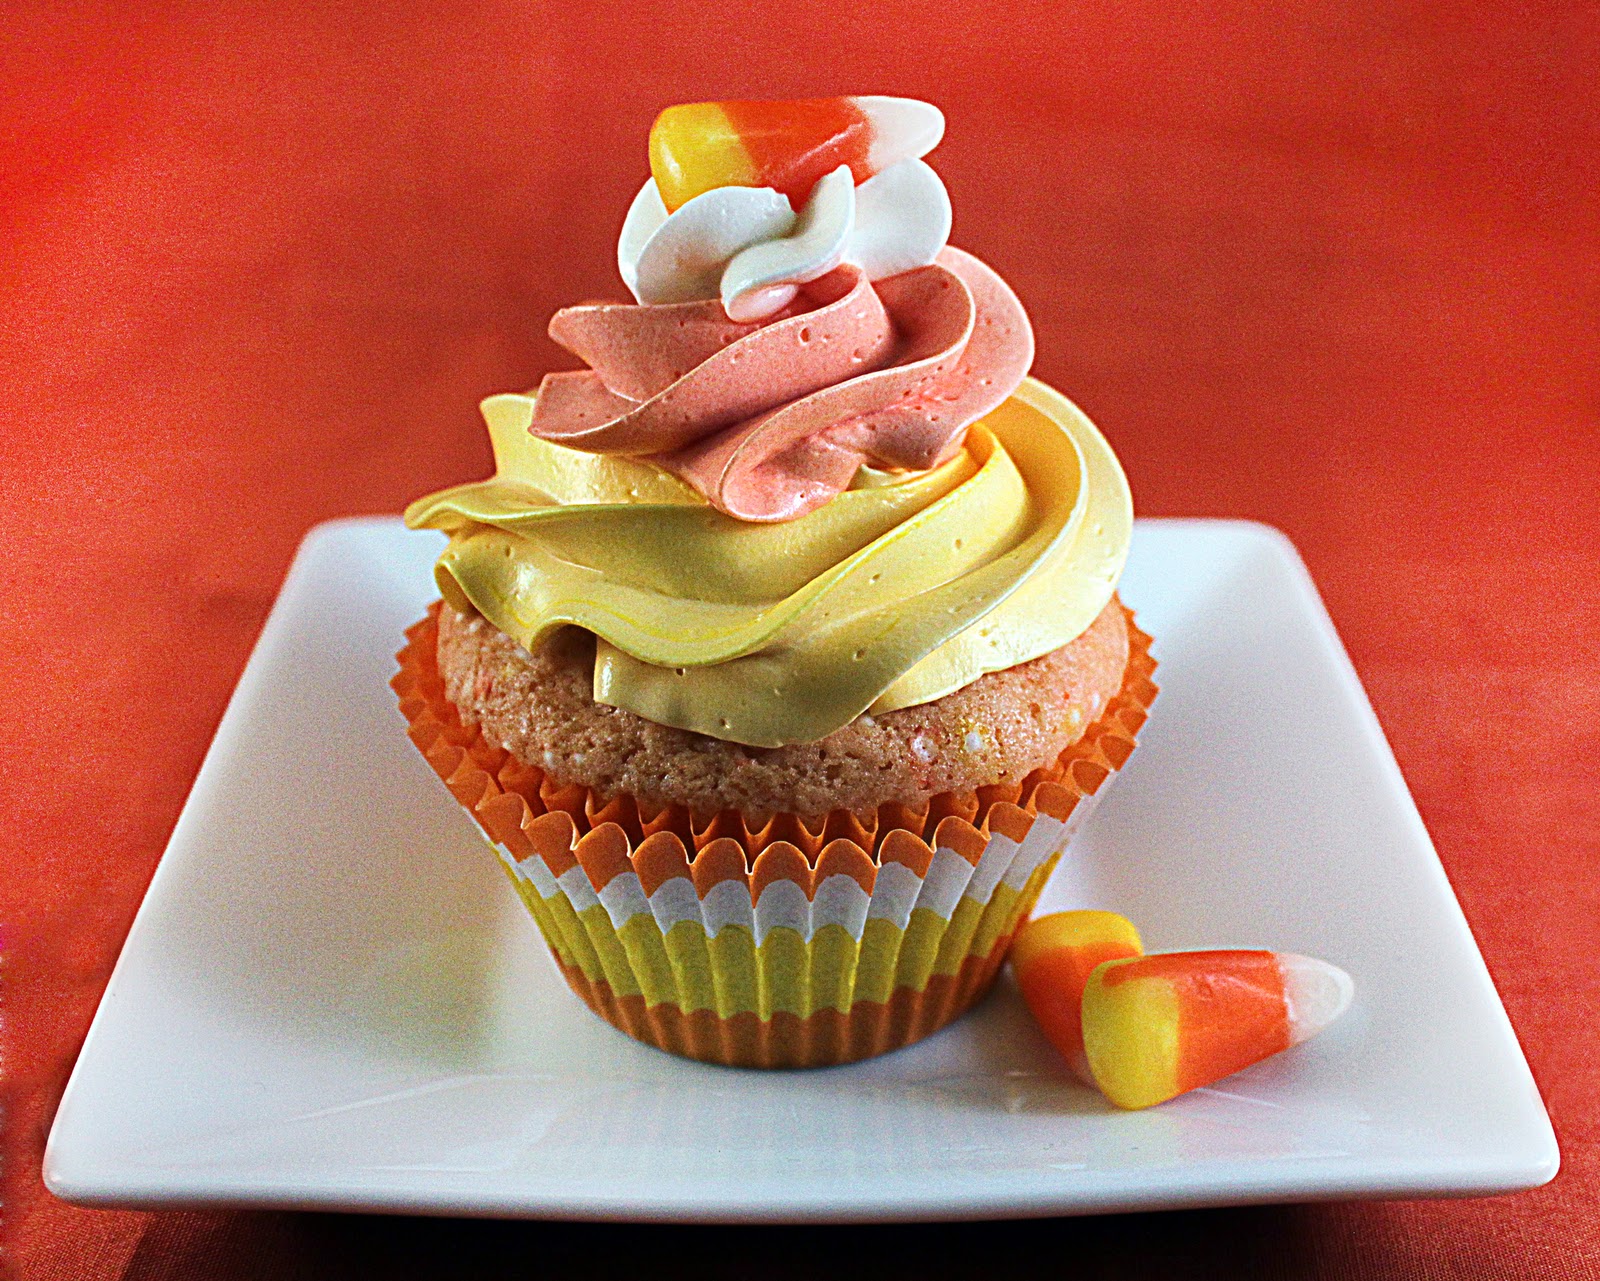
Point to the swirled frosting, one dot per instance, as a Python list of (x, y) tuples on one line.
[(804, 477), (747, 246), (769, 420), (902, 589)]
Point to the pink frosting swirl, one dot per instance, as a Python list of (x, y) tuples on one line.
[(771, 419)]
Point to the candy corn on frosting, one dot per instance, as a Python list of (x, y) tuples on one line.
[(802, 555)]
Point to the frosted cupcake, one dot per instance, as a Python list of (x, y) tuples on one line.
[(781, 655)]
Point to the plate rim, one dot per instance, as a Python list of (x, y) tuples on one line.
[(1475, 1176)]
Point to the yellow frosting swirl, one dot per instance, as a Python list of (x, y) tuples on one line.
[(900, 590)]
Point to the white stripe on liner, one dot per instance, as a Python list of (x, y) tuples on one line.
[(574, 883), (783, 906), (998, 855), (728, 903), (840, 901), (894, 895), (947, 877), (1048, 836), (535, 870), (623, 898), (674, 902), (1084, 808)]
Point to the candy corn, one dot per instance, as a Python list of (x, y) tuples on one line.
[(1053, 956), (1157, 1026), (699, 146)]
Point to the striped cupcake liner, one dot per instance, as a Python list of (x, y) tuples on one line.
[(775, 942)]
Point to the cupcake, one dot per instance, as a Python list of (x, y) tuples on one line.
[(782, 655)]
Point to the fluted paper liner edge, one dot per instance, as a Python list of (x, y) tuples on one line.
[(770, 941)]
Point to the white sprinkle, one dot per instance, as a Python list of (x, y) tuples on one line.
[(867, 722), (922, 747), (973, 742), (549, 760)]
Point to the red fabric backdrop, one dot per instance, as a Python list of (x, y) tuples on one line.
[(1331, 266)]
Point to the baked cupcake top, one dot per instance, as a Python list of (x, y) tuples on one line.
[(804, 475)]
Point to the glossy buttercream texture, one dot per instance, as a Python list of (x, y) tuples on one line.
[(852, 502), (897, 592), (769, 420)]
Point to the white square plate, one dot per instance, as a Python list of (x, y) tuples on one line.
[(331, 998)]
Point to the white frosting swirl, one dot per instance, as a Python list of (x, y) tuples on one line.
[(747, 246)]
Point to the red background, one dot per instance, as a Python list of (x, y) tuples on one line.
[(1333, 266)]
